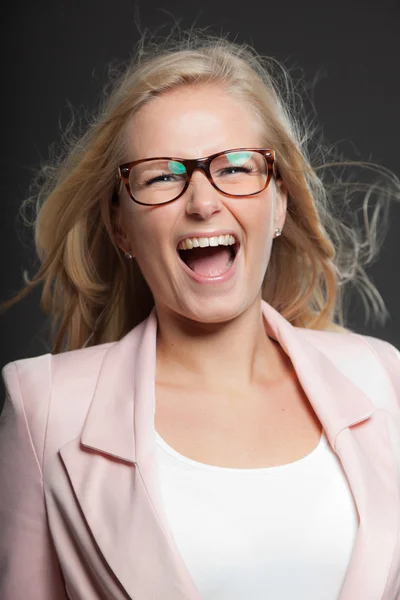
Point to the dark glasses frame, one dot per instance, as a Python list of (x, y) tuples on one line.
[(191, 164)]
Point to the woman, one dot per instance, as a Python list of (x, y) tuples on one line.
[(204, 428)]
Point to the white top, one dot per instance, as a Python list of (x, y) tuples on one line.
[(276, 532)]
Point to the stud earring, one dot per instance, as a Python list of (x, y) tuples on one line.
[(128, 255), (278, 232)]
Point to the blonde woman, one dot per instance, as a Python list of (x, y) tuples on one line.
[(204, 428)]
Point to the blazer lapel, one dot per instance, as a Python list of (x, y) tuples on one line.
[(113, 467), (114, 474), (358, 432)]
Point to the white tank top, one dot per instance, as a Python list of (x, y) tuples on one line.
[(276, 532)]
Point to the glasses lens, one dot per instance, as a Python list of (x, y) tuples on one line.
[(240, 173), (157, 181)]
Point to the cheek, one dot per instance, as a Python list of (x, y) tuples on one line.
[(258, 218), (144, 240), (136, 226), (148, 234), (259, 225)]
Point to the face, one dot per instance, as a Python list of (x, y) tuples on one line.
[(193, 122)]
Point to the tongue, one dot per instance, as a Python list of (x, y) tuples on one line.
[(210, 261)]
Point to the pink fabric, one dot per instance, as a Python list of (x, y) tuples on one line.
[(81, 515)]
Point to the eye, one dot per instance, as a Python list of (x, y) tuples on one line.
[(157, 173), (234, 170), (167, 177)]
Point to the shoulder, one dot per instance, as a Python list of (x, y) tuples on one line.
[(371, 362), (349, 340), (64, 374), (388, 356), (35, 386), (49, 396), (37, 373), (352, 345)]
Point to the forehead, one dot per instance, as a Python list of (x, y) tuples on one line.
[(190, 122)]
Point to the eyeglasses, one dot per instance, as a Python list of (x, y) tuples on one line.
[(235, 173)]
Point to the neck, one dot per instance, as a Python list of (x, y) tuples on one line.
[(231, 355)]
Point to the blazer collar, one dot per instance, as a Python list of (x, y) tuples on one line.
[(126, 388)]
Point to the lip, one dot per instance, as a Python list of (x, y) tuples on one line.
[(218, 278)]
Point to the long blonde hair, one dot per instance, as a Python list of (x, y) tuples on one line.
[(94, 295)]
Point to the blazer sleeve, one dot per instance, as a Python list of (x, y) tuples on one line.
[(28, 563)]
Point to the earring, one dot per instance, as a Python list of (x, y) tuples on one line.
[(278, 232), (128, 255)]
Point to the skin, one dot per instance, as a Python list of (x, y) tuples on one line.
[(209, 336)]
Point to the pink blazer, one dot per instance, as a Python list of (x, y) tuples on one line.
[(80, 506)]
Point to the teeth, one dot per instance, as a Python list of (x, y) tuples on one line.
[(203, 242)]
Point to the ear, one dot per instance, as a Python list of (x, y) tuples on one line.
[(280, 203)]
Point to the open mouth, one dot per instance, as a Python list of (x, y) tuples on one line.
[(210, 261)]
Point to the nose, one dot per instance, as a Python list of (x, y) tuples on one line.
[(203, 200)]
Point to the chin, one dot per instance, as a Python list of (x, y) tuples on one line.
[(215, 310)]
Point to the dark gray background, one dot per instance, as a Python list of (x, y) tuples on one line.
[(55, 53)]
